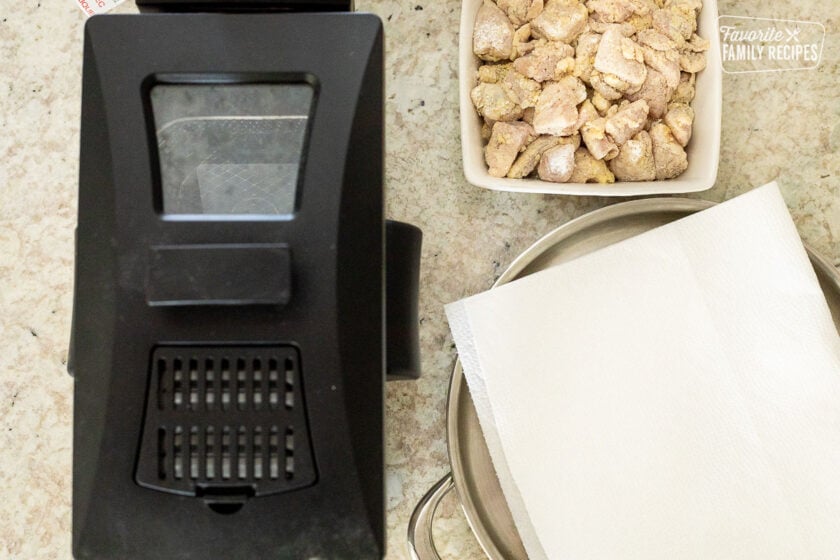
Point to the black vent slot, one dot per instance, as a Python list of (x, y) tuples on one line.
[(225, 420)]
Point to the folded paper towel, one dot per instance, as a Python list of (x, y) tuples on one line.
[(673, 396)]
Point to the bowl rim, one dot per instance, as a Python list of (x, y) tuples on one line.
[(475, 172)]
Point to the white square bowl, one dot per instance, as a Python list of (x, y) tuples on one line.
[(703, 149)]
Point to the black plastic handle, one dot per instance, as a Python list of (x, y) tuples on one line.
[(402, 264)]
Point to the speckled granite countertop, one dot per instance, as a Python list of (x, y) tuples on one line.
[(783, 126)]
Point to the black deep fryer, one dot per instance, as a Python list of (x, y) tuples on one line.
[(229, 328)]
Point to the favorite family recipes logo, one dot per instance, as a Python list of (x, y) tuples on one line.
[(750, 44)]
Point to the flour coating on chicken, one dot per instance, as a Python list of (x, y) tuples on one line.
[(634, 161), (493, 33), (521, 11), (668, 155), (621, 58), (544, 62), (560, 20), (627, 121), (557, 164), (506, 141), (556, 112), (587, 90)]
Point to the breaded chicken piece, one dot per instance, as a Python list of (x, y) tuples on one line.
[(655, 40), (542, 64), (507, 140), (522, 43), (611, 11), (521, 11), (665, 62), (668, 155), (560, 20), (656, 93), (557, 164), (590, 170), (601, 103), (492, 102), (680, 118), (628, 121), (523, 91), (626, 28), (530, 158), (686, 5), (587, 48), (692, 62), (586, 112), (685, 90), (492, 34), (598, 82), (676, 21), (634, 161), (697, 44), (622, 58), (556, 112), (493, 73), (597, 142)]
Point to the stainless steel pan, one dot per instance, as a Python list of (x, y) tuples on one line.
[(472, 475)]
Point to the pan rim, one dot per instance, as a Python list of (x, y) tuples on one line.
[(457, 383)]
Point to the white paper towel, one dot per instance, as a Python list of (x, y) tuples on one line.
[(673, 396)]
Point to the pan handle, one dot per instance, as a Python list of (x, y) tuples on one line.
[(421, 543)]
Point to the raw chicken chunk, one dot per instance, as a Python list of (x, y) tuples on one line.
[(507, 140), (597, 141), (521, 90), (668, 155), (601, 103), (493, 33), (522, 43), (639, 22), (530, 158), (667, 63), (492, 102), (626, 28), (685, 90), (493, 73), (635, 12), (686, 5), (521, 11), (680, 118), (574, 84), (599, 84), (590, 170), (692, 62), (556, 112), (656, 92), (655, 40), (627, 121), (697, 44), (634, 161), (587, 48), (557, 164), (587, 112), (676, 21), (622, 58), (560, 20), (611, 11), (542, 64)]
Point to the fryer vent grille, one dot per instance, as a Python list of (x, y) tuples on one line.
[(225, 420)]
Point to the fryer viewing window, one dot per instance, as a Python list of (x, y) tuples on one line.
[(230, 148)]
